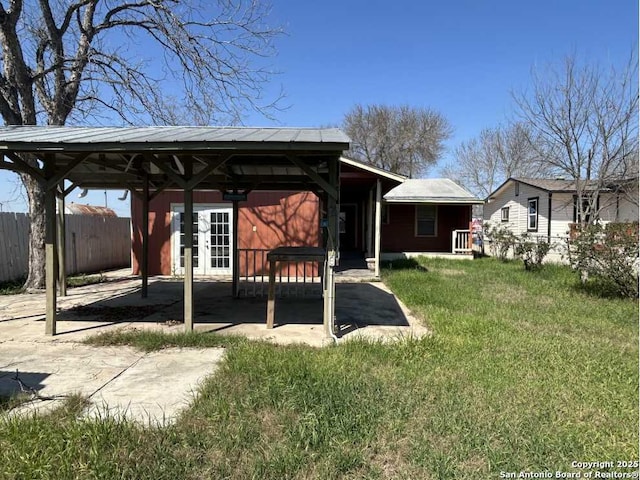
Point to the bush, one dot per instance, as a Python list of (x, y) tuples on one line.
[(501, 240), (607, 255), (531, 250)]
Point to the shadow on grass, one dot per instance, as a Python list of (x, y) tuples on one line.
[(601, 289), (403, 264)]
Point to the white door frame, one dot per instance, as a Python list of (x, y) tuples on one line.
[(204, 247)]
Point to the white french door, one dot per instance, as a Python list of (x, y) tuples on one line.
[(212, 239)]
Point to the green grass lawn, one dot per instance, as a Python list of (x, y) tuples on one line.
[(523, 372)]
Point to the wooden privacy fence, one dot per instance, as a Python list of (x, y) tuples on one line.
[(93, 243)]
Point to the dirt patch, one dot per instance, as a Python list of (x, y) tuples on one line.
[(114, 314)]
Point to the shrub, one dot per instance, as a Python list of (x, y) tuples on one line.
[(501, 240), (531, 250), (607, 255)]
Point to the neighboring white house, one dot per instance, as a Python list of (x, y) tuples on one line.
[(547, 207)]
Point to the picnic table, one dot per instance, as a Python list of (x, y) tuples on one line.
[(287, 254)]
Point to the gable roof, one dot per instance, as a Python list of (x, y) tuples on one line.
[(373, 169), (430, 190), (554, 185)]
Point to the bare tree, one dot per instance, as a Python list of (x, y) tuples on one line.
[(90, 60), (587, 120), (484, 162), (406, 140)]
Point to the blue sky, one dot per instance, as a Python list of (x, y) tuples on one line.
[(462, 58)]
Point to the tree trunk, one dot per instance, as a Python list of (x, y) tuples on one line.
[(36, 270)]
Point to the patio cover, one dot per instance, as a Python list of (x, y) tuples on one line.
[(148, 160)]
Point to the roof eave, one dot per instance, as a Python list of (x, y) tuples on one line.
[(117, 147), (448, 201), (375, 170)]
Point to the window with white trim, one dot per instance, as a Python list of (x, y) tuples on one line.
[(426, 220), (532, 214), (504, 214)]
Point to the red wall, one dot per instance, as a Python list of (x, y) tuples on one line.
[(280, 218), (399, 234)]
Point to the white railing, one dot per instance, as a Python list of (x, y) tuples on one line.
[(461, 241)]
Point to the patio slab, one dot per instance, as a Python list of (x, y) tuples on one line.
[(364, 309), (118, 381), (154, 387)]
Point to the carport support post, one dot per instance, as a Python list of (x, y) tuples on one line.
[(62, 247), (51, 273), (236, 255), (333, 238), (188, 259), (378, 226), (370, 223), (144, 267)]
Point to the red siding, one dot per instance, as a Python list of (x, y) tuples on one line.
[(279, 218), (399, 234)]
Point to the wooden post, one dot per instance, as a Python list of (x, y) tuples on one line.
[(378, 216), (370, 225), (144, 267), (271, 301), (188, 259), (332, 247), (62, 244), (51, 273), (470, 237), (236, 255)]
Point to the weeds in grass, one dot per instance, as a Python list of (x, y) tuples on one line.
[(148, 341), (12, 287), (84, 279)]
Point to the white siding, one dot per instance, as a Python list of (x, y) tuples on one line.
[(518, 218), (628, 207), (561, 214), (622, 210)]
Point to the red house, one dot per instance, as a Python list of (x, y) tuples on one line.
[(382, 215)]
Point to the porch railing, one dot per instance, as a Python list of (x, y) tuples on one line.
[(461, 241), (293, 279)]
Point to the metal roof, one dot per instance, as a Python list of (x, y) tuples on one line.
[(94, 210), (430, 190), (24, 138), (220, 157)]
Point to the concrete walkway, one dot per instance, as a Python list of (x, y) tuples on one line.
[(119, 381), (155, 386)]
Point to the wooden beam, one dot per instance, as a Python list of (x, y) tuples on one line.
[(328, 187), (188, 254), (206, 171), (236, 255), (69, 189), (24, 167), (61, 238), (54, 181), (177, 179), (271, 299), (51, 273), (333, 249), (378, 226), (160, 189), (144, 267), (370, 223)]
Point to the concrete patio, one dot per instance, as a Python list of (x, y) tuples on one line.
[(154, 387)]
